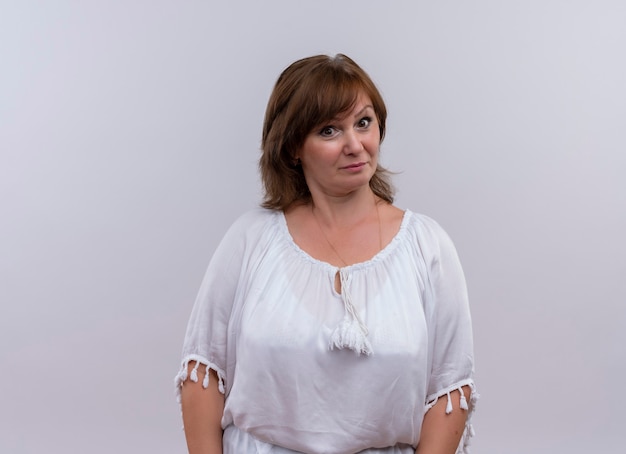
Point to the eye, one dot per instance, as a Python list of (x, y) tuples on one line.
[(328, 131), (364, 122)]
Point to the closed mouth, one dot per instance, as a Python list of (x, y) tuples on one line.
[(354, 166)]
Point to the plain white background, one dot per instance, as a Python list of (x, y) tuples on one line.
[(129, 137)]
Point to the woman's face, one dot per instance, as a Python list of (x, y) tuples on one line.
[(341, 156)]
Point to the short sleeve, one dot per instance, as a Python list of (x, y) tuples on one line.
[(449, 321), (207, 336)]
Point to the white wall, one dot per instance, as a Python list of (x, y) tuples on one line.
[(129, 135)]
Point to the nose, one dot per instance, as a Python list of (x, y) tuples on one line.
[(352, 142)]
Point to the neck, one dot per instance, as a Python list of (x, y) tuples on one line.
[(354, 225), (345, 211)]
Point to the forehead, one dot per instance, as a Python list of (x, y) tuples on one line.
[(361, 103)]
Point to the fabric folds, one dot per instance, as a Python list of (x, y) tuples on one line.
[(307, 369)]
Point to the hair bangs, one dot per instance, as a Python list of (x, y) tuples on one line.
[(334, 92)]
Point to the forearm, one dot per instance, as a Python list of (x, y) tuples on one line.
[(202, 414), (441, 433)]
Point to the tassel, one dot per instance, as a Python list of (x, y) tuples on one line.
[(194, 373), (220, 384), (350, 335), (464, 405), (205, 380), (183, 373), (432, 403), (449, 405), (351, 332)]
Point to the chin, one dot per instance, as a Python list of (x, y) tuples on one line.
[(349, 189)]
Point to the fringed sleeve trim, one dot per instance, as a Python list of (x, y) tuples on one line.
[(468, 431), (182, 375)]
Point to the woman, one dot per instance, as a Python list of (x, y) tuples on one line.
[(329, 321)]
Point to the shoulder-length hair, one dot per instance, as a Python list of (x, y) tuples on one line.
[(308, 93)]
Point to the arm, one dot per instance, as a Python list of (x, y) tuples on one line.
[(202, 413), (446, 423), (208, 336), (441, 432)]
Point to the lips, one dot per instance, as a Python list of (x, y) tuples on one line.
[(356, 165)]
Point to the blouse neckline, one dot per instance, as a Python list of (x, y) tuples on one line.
[(380, 255)]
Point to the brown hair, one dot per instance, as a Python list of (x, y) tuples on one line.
[(308, 93)]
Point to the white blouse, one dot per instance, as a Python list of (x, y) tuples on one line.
[(307, 369)]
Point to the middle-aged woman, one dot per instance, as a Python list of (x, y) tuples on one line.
[(329, 321)]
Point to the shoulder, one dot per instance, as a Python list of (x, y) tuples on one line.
[(252, 230), (256, 217), (253, 224), (431, 238), (424, 225)]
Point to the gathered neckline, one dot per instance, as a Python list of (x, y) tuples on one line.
[(380, 255)]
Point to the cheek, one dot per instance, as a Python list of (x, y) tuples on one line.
[(373, 145), (374, 139)]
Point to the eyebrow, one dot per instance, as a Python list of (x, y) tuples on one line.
[(360, 112)]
